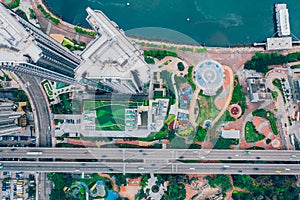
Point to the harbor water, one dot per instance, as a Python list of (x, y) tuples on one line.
[(212, 23)]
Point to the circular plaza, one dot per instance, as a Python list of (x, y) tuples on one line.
[(209, 76)]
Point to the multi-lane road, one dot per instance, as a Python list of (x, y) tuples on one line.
[(150, 154), (160, 168), (116, 160), (41, 109)]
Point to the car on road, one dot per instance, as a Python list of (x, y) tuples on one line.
[(256, 168), (278, 171), (223, 168), (247, 152)]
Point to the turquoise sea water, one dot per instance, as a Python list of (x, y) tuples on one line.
[(213, 23)]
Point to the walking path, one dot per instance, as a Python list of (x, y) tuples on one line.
[(228, 100), (193, 105)]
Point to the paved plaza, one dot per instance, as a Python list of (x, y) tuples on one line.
[(209, 76)]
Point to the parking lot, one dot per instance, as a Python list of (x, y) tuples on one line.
[(13, 185)]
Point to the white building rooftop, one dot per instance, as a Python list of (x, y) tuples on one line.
[(230, 134), (281, 43), (282, 19), (15, 40), (111, 54)]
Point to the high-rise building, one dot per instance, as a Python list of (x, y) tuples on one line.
[(26, 49), (8, 119), (112, 62)]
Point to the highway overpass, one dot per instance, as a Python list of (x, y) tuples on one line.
[(144, 154), (158, 168), (168, 161)]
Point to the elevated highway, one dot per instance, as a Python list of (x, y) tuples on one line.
[(151, 154), (168, 161), (159, 168)]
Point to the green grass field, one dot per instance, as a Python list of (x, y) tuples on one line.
[(251, 134), (110, 115), (208, 109)]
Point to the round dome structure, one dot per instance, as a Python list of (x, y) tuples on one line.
[(209, 76)]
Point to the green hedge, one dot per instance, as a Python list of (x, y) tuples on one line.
[(159, 54), (82, 31)]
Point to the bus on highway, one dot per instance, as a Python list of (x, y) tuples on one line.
[(35, 153)]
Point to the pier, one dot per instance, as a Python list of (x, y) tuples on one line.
[(284, 41), (282, 20)]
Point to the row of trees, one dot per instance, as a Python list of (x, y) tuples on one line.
[(189, 77), (200, 135), (266, 187), (260, 62), (220, 180), (82, 31), (159, 54), (48, 15), (238, 96)]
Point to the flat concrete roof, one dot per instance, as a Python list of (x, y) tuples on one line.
[(282, 17), (111, 54), (13, 35), (231, 134), (280, 43)]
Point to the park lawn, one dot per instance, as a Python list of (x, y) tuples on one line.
[(238, 96), (170, 119), (110, 114), (269, 116), (66, 42), (207, 110), (186, 132), (110, 117), (115, 127), (251, 134), (92, 105)]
